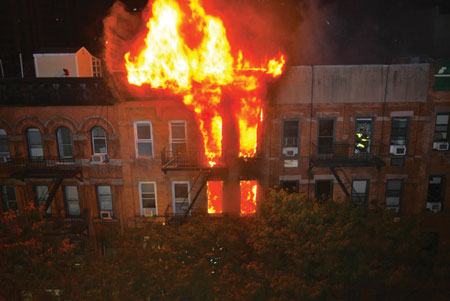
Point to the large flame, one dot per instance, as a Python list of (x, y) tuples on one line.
[(248, 196), (215, 196), (200, 70)]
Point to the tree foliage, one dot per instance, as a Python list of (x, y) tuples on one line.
[(293, 248)]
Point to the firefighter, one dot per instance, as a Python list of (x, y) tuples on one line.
[(362, 140)]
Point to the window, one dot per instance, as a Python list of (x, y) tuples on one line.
[(96, 68), (325, 136), (399, 132), (72, 200), (363, 136), (147, 193), (290, 133), (4, 147), (289, 186), (105, 199), (435, 192), (441, 132), (324, 189), (65, 144), (41, 196), (34, 140), (178, 136), (99, 145), (9, 198), (393, 194), (181, 200), (144, 138), (360, 191)]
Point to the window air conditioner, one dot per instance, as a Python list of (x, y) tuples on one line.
[(393, 209), (290, 151), (3, 159), (105, 214), (434, 206), (99, 158), (440, 145), (399, 150), (148, 212)]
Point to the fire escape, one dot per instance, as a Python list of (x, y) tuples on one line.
[(340, 155), (189, 161), (52, 168)]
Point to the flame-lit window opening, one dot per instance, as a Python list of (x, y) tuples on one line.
[(72, 200), (325, 137), (178, 140), (99, 144), (144, 138), (9, 198), (41, 196), (105, 201), (248, 196), (215, 196), (181, 199), (65, 143), (394, 194), (34, 140), (360, 191), (147, 195), (4, 147)]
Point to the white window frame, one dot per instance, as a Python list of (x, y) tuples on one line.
[(140, 197), (100, 209), (137, 140), (173, 194), (92, 140), (171, 139)]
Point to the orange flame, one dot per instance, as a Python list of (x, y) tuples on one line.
[(215, 189), (199, 71), (248, 197)]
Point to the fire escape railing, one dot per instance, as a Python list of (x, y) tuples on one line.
[(348, 153), (185, 159)]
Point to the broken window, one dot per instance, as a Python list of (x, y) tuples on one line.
[(41, 196), (363, 137), (144, 138), (9, 197)]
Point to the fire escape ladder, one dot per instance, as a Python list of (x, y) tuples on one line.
[(336, 175), (56, 183)]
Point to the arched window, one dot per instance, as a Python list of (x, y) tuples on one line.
[(34, 141), (65, 143), (4, 147), (98, 136)]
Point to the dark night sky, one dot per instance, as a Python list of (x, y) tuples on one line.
[(312, 32)]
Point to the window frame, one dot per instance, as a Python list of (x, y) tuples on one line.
[(60, 144), (296, 182), (171, 139), (442, 190), (366, 193), (30, 146), (137, 140), (99, 203), (93, 143), (331, 183), (447, 131), (283, 127), (333, 136), (173, 195), (6, 201), (4, 137), (408, 125), (400, 194), (39, 201), (372, 122), (141, 199), (67, 200)]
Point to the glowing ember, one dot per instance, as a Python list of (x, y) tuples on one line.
[(215, 196), (248, 197), (197, 64)]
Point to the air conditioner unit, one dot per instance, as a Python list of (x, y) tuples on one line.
[(99, 158), (393, 209), (440, 145), (434, 206), (290, 151), (3, 159), (399, 150), (148, 212), (105, 215)]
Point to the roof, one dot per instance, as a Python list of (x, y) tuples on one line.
[(59, 50)]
